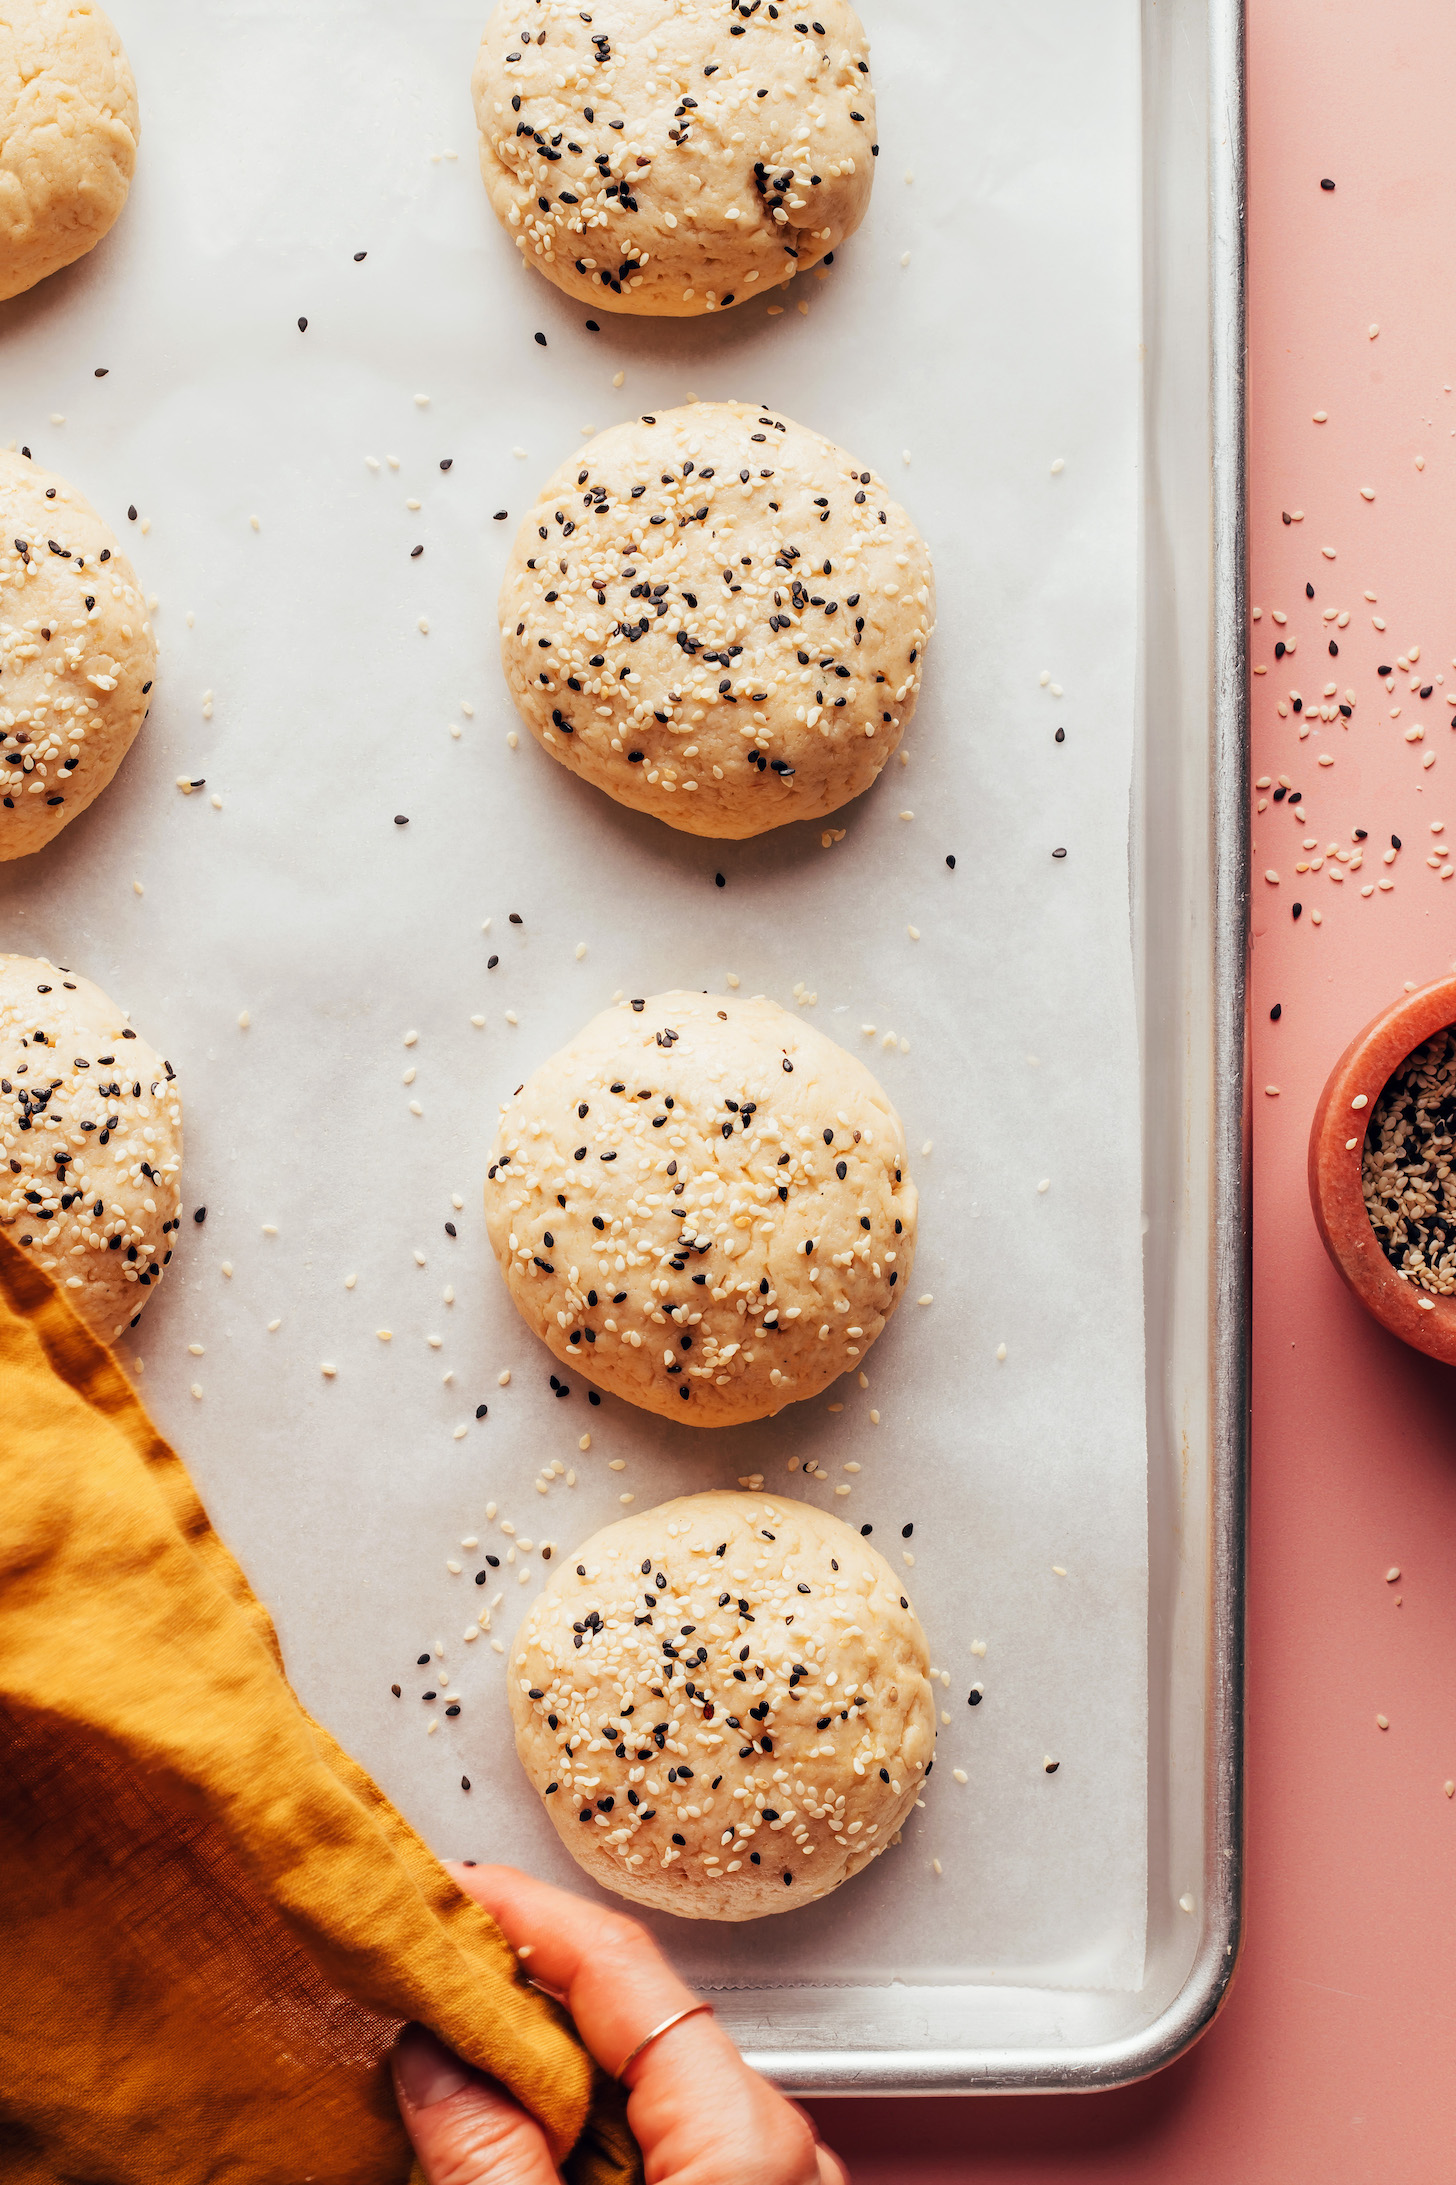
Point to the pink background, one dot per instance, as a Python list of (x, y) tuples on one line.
[(1335, 2056)]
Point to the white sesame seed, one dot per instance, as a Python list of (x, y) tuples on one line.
[(328, 1372), (503, 1380), (1000, 1354), (959, 1773), (197, 1390), (585, 1443), (927, 1299)]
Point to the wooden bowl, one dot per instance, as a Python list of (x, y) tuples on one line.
[(1336, 1147)]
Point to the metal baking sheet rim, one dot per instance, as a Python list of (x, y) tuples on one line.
[(1187, 2013)]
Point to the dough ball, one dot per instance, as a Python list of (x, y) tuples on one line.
[(91, 1132), (726, 1666), (674, 159), (718, 617), (738, 1224), (77, 655), (68, 136)]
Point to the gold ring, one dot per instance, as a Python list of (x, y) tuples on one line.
[(657, 2033)]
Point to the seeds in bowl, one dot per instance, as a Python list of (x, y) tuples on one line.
[(1406, 1169)]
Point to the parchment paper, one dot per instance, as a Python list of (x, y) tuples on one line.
[(279, 140)]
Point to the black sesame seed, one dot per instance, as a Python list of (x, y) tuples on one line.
[(401, 819)]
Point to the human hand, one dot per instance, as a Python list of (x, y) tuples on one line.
[(700, 2116)]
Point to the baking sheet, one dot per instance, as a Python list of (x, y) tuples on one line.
[(277, 142)]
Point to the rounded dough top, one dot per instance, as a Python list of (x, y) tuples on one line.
[(726, 1666), (769, 603), (672, 157), (90, 1118), (77, 655), (68, 135), (738, 1224)]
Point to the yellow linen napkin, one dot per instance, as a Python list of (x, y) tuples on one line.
[(212, 1923)]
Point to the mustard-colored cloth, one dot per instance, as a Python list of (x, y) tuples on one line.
[(212, 1922)]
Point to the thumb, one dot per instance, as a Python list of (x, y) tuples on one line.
[(465, 2129)]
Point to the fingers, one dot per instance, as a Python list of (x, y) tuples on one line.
[(695, 2106), (607, 1970), (465, 2129)]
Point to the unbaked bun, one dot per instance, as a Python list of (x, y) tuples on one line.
[(701, 1204), (725, 1705), (77, 655), (718, 617), (68, 135), (91, 1139), (673, 157)]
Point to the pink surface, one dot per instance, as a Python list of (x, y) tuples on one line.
[(1333, 2060)]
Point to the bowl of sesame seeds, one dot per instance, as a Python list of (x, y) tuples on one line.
[(1382, 1168)]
